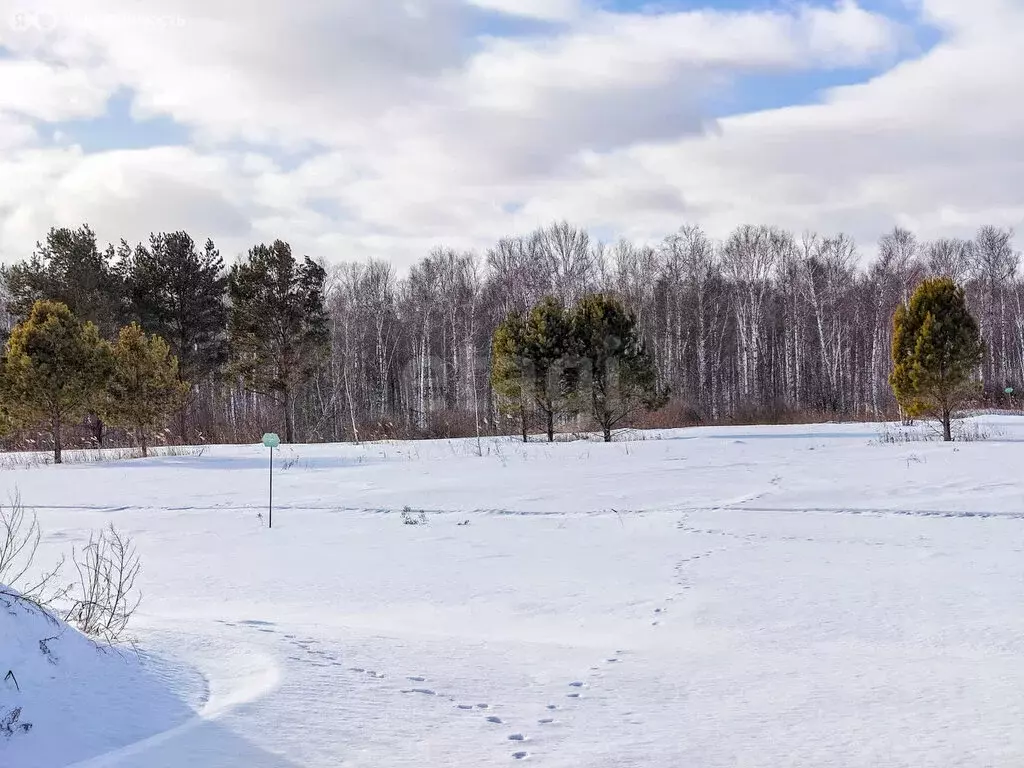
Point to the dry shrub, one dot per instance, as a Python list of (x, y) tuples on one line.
[(20, 535), (105, 596)]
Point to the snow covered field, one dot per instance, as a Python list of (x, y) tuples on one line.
[(753, 596)]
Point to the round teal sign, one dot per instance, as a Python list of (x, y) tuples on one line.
[(271, 440)]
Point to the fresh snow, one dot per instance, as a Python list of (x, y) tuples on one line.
[(751, 596)]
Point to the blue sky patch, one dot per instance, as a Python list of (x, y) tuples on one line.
[(118, 129)]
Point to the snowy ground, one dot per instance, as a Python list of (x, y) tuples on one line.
[(767, 597)]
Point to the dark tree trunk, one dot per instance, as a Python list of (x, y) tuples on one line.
[(522, 421), (289, 425), (551, 426), (183, 424), (57, 457), (142, 441), (947, 427), (97, 431), (602, 416)]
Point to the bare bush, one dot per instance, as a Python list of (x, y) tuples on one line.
[(10, 722), (105, 597), (19, 541), (408, 518), (180, 450), (963, 432), (974, 432), (289, 461), (890, 434)]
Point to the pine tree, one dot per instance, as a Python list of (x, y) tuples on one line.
[(144, 388), (55, 369), (179, 294), (617, 373), (508, 368), (277, 323), (548, 350), (71, 269), (936, 351)]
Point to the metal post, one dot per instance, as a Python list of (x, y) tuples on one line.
[(270, 499)]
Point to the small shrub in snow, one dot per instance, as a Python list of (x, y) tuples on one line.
[(890, 434), (914, 459), (973, 432), (289, 461), (105, 597), (19, 540), (10, 722), (419, 518)]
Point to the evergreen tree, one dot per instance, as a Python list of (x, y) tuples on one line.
[(179, 294), (69, 268), (55, 369), (617, 373), (936, 351), (277, 324), (508, 368), (547, 349), (144, 388)]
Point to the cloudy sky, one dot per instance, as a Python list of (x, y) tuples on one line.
[(358, 128)]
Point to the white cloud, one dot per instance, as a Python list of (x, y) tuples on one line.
[(52, 93), (123, 194), (545, 10), (417, 133), (933, 144)]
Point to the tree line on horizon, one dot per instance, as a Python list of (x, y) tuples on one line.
[(129, 337), (761, 326)]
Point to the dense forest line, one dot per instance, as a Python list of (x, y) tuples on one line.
[(763, 326)]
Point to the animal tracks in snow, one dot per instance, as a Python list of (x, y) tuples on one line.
[(510, 721), (681, 572)]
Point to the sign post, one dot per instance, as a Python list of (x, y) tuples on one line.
[(271, 441)]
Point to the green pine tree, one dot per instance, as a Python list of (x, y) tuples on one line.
[(69, 268), (936, 351), (144, 389), (54, 370), (277, 324), (548, 350), (531, 365), (179, 293), (508, 369), (616, 372)]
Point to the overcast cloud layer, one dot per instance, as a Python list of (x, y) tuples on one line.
[(355, 128)]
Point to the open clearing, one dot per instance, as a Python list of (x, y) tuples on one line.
[(754, 596)]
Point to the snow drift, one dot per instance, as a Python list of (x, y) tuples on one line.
[(65, 698)]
